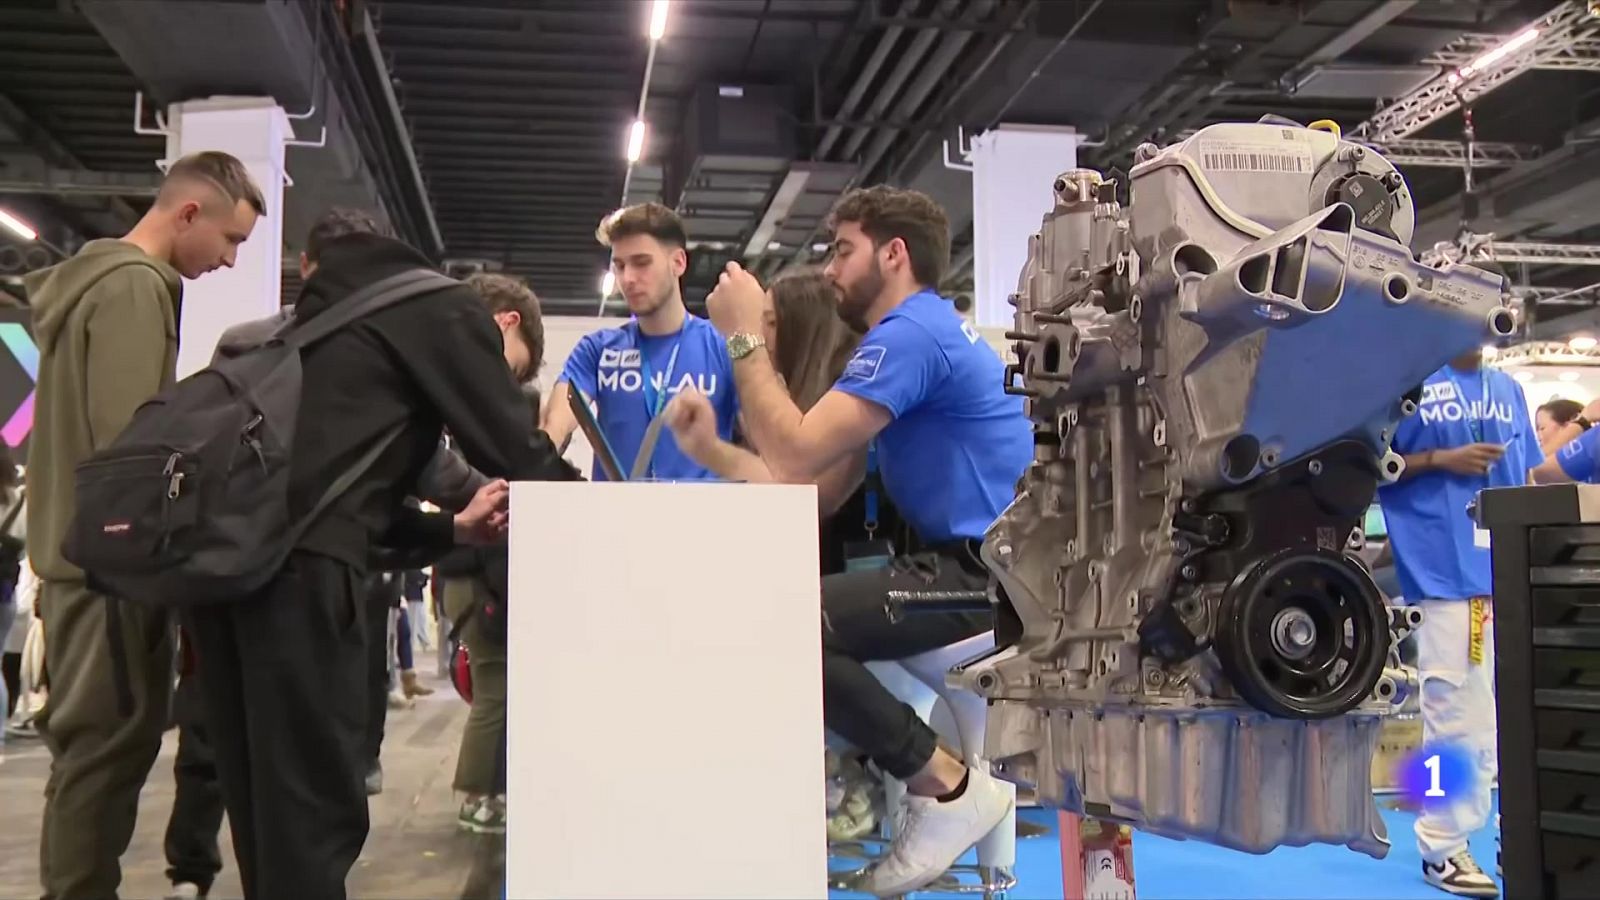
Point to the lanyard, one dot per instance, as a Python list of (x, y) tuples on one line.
[(655, 401), (1485, 402), (873, 481)]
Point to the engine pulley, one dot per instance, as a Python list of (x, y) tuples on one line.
[(1303, 635)]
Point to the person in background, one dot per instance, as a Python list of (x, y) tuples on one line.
[(1559, 422), (414, 586), (405, 660), (927, 392), (629, 373), (27, 639), (1471, 431), (194, 857), (106, 322), (13, 535)]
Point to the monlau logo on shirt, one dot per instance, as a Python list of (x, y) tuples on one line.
[(1440, 403), (631, 381)]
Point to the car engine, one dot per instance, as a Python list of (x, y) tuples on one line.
[(1187, 640)]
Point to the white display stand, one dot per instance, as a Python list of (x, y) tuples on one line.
[(665, 704)]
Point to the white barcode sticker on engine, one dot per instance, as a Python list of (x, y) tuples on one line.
[(1287, 157)]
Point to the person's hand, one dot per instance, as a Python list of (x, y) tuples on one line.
[(693, 422), (1592, 411), (486, 518), (1471, 459), (735, 304)]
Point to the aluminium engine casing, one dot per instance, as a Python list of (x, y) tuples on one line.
[(1215, 374)]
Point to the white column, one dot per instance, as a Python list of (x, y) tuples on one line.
[(664, 710), (254, 130), (1013, 169)]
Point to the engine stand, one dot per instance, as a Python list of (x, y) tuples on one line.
[(1096, 859)]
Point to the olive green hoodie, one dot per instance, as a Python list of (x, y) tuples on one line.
[(106, 322)]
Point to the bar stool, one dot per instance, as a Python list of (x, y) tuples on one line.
[(919, 682)]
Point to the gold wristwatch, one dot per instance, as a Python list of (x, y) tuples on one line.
[(743, 343)]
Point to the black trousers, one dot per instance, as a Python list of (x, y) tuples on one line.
[(378, 679), (283, 675), (191, 842), (856, 630)]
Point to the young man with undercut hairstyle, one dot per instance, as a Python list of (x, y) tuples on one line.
[(928, 395), (629, 373), (106, 323)]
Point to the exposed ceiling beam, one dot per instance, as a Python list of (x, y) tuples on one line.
[(76, 182), (15, 120)]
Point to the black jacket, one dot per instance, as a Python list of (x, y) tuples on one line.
[(447, 481), (431, 362)]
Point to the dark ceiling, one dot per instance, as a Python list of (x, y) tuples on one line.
[(760, 112)]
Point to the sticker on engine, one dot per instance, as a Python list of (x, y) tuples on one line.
[(1290, 158)]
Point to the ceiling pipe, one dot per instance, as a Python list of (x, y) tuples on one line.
[(945, 118), (940, 61), (880, 55), (911, 62)]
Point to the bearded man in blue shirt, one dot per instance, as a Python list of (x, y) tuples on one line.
[(1471, 431), (924, 396)]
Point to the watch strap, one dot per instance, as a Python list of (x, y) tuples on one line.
[(1583, 422), (743, 343)]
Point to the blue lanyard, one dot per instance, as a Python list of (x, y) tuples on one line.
[(655, 401), (1485, 402), (871, 524)]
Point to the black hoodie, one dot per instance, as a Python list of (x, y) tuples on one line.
[(434, 361)]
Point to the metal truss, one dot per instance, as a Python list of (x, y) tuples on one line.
[(1546, 353), (1588, 295), (1566, 37), (1485, 247), (1582, 55), (1453, 154)]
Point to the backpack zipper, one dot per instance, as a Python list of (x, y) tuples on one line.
[(248, 436), (174, 477)]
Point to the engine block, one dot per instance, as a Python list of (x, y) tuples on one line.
[(1186, 638)]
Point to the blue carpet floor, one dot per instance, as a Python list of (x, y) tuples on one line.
[(1185, 870)]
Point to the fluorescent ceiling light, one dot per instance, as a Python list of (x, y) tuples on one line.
[(1490, 351), (819, 248), (1524, 376), (1582, 343), (608, 283), (636, 141), (658, 19), (17, 227), (1489, 58), (1569, 376)]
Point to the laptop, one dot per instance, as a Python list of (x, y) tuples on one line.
[(610, 463)]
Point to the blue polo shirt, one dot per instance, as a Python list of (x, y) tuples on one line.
[(625, 372), (1436, 552), (958, 443), (1580, 458)]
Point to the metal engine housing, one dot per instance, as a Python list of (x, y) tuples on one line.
[(1186, 640)]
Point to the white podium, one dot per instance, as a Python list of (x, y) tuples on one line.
[(664, 716)]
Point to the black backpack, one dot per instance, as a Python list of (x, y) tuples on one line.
[(190, 504)]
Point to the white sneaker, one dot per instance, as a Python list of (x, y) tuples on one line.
[(1460, 875), (185, 891), (930, 836)]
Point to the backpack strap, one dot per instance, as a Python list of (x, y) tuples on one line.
[(370, 299), (380, 295)]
